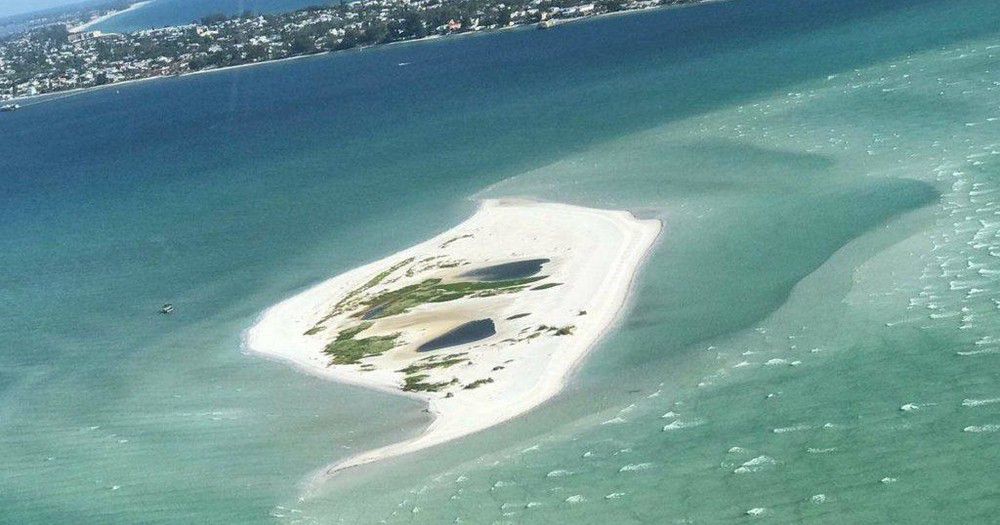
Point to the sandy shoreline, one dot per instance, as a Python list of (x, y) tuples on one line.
[(103, 18), (432, 38), (592, 257)]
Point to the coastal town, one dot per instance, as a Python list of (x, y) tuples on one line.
[(67, 55)]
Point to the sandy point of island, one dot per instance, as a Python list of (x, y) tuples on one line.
[(368, 326), (104, 18)]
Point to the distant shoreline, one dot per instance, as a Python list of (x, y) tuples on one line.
[(103, 18), (518, 27)]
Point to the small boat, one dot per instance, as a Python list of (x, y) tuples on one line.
[(10, 107), (167, 309)]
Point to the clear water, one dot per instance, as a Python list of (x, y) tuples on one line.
[(164, 13), (815, 335)]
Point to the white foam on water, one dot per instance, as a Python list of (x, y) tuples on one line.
[(818, 499), (559, 473), (614, 495), (775, 362), (633, 467), (979, 402), (677, 425), (756, 511), (614, 421), (887, 480), (978, 352), (821, 450), (669, 415), (756, 465), (976, 429), (794, 428), (576, 498)]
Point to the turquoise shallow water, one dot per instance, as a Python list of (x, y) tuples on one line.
[(814, 335)]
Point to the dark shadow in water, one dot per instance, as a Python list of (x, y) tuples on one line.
[(507, 271), (466, 333)]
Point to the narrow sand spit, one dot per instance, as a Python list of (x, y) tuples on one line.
[(592, 257), (103, 18)]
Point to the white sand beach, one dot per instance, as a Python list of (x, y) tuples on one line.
[(108, 16), (543, 328)]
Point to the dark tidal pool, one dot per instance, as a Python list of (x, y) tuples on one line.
[(466, 333), (507, 271)]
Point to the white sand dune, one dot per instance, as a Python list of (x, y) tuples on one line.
[(593, 253)]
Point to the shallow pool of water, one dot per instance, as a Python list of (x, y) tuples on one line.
[(507, 271), (466, 333)]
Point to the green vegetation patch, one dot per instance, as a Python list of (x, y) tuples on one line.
[(416, 383), (373, 282), (435, 357), (351, 298), (398, 301), (566, 330), (546, 286), (453, 239), (346, 350), (420, 367), (478, 383)]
